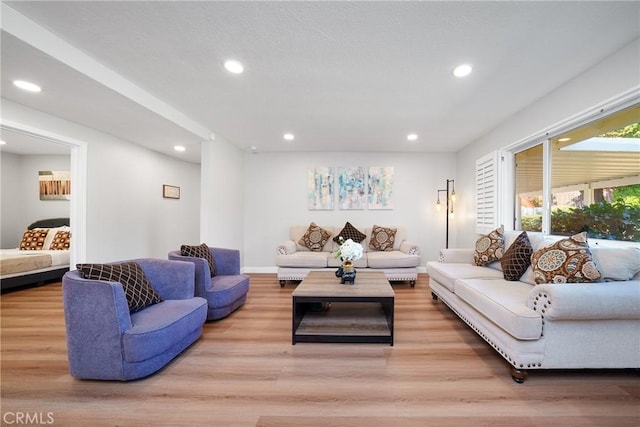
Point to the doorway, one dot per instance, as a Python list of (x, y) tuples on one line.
[(78, 171)]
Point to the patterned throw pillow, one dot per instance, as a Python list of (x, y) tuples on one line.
[(61, 241), (201, 251), (517, 258), (137, 289), (314, 238), (566, 261), (33, 240), (489, 248), (382, 238), (350, 232)]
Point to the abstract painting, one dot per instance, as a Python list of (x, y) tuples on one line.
[(380, 187), (351, 188), (320, 192), (54, 185)]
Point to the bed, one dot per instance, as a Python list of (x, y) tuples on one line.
[(26, 265)]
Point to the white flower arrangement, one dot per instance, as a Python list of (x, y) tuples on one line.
[(349, 250)]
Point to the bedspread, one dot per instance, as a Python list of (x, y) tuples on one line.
[(14, 261)]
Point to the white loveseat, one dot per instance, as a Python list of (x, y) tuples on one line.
[(294, 261), (551, 325)]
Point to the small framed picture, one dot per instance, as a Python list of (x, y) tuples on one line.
[(170, 192)]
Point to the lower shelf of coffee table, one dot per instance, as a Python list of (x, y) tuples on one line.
[(345, 322)]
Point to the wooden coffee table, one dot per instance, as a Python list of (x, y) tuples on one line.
[(359, 313)]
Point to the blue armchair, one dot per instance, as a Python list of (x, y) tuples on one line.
[(107, 342), (224, 292)]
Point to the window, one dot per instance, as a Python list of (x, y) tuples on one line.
[(594, 180), (528, 165)]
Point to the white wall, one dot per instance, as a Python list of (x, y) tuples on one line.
[(127, 217), (276, 191), (611, 77), (222, 219), (11, 212), (126, 214), (21, 204)]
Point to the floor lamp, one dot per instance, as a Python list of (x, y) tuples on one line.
[(450, 198)]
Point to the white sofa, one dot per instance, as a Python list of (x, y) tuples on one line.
[(547, 326), (294, 261)]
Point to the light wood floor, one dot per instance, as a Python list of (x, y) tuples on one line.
[(245, 372)]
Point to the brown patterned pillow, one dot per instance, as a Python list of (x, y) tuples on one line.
[(61, 241), (566, 261), (33, 240), (489, 248), (315, 237), (382, 238), (517, 258), (137, 289), (350, 232), (201, 251)]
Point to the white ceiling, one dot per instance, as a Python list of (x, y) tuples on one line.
[(341, 76), (73, 96), (22, 144)]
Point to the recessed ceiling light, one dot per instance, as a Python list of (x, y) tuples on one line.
[(412, 136), (462, 70), (3, 142), (233, 66), (289, 136), (28, 86), (564, 139), (179, 148)]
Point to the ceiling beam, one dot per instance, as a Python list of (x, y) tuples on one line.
[(33, 34)]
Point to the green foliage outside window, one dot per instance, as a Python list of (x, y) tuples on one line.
[(630, 194), (531, 222), (629, 131), (619, 220), (603, 220)]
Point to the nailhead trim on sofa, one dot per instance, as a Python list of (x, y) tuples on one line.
[(514, 363), (544, 303)]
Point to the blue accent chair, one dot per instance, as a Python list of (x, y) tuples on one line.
[(227, 290), (106, 342)]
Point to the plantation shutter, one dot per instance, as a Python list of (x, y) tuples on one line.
[(487, 191)]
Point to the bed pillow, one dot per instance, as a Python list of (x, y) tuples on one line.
[(137, 289), (314, 238), (350, 232), (33, 240), (61, 241), (52, 234), (566, 261), (489, 248), (382, 238), (200, 251)]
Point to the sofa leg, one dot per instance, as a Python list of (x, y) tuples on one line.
[(282, 283), (412, 283), (434, 296), (518, 375)]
